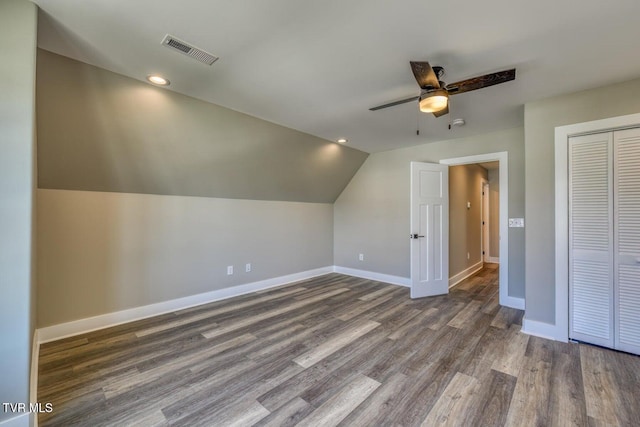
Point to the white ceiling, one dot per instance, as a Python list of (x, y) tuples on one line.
[(318, 66)]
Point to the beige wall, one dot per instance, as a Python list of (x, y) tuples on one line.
[(494, 213), (101, 131), (465, 224), (371, 216), (18, 24), (541, 118), (102, 252)]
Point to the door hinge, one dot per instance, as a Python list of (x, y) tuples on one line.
[(482, 252)]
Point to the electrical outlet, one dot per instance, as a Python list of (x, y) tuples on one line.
[(468, 255), (247, 267), (516, 222), (229, 270), (361, 257)]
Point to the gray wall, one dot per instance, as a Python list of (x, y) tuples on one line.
[(541, 118), (371, 216), (101, 131), (17, 150), (465, 225), (494, 213), (138, 235), (102, 252)]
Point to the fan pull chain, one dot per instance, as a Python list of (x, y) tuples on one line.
[(417, 121)]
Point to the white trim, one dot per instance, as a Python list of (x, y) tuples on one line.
[(372, 275), (540, 329), (19, 421), (76, 327), (562, 134), (494, 260), (513, 302), (503, 158), (33, 378), (457, 278)]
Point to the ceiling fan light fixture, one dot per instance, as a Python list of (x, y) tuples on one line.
[(434, 101)]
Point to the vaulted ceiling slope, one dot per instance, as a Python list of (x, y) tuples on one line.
[(101, 131), (318, 66)]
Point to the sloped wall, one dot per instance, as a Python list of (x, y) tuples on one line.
[(146, 195), (101, 131)]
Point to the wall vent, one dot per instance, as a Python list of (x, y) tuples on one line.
[(189, 50)]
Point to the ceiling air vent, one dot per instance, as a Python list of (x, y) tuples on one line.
[(189, 50)]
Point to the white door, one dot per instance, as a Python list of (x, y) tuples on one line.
[(627, 239), (429, 229), (591, 239)]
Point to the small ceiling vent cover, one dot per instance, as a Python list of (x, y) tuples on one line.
[(189, 50)]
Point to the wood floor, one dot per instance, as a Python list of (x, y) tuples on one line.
[(337, 350)]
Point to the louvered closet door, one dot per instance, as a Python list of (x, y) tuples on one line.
[(591, 317), (627, 232)]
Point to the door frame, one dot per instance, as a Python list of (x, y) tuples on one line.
[(485, 221), (503, 158), (560, 331)]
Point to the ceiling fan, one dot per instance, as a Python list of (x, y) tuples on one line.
[(434, 93)]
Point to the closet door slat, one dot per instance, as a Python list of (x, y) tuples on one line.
[(591, 239), (627, 234)]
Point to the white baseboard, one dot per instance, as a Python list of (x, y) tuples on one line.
[(513, 302), (494, 260), (540, 329), (33, 377), (372, 275), (454, 280), (19, 421), (76, 327)]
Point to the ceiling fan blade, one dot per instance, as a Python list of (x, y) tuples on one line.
[(481, 81), (424, 74), (394, 103), (442, 112)]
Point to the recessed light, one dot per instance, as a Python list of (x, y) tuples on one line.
[(158, 80), (342, 141)]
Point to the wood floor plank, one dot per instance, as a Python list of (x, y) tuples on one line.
[(455, 400), (494, 396), (242, 415), (465, 314), (313, 356), (568, 405), (375, 408), (339, 406), (601, 395), (514, 346), (119, 386), (377, 294), (287, 415), (506, 317), (272, 313), (530, 402), (336, 350)]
